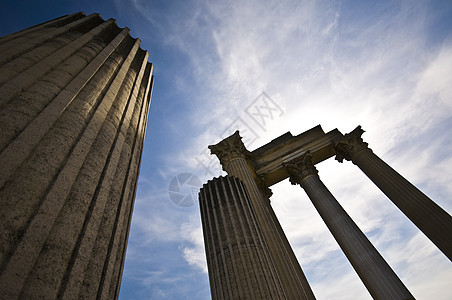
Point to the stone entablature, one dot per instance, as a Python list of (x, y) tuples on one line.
[(267, 160), (295, 157)]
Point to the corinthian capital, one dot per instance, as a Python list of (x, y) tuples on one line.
[(351, 145), (265, 190), (300, 167), (228, 149)]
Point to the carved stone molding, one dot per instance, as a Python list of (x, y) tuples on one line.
[(265, 190), (300, 167), (351, 145), (228, 149)]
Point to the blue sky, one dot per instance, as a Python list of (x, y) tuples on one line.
[(385, 65)]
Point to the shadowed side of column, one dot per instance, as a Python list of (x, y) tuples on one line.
[(378, 277), (428, 216), (232, 154), (238, 258)]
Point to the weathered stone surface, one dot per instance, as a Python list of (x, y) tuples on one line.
[(74, 98), (295, 157), (378, 277), (233, 157), (238, 258), (429, 217)]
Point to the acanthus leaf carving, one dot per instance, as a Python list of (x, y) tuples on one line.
[(262, 185), (228, 149), (300, 167), (350, 145)]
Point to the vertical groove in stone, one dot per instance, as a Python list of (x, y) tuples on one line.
[(45, 190), (225, 273), (20, 69), (23, 72), (208, 233), (376, 274), (107, 224), (229, 224), (264, 259), (87, 236), (430, 218), (52, 23), (73, 135), (17, 150), (294, 284), (11, 51), (226, 221), (47, 87), (123, 220), (287, 249), (214, 263), (247, 239), (252, 239), (76, 209), (30, 61), (71, 169), (126, 192)]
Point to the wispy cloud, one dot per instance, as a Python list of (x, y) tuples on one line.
[(194, 252), (336, 64)]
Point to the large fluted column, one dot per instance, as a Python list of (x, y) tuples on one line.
[(376, 274), (232, 154), (74, 99), (238, 259), (431, 219)]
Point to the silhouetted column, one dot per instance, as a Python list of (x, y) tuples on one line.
[(376, 274), (431, 219), (238, 259), (266, 194), (232, 155)]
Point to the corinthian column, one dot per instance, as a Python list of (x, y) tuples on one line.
[(378, 277), (431, 219), (232, 155)]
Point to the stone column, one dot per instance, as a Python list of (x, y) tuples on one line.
[(238, 259), (431, 219), (74, 99), (287, 248), (378, 277), (232, 154)]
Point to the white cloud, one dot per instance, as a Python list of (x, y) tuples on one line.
[(435, 80), (323, 64), (194, 253)]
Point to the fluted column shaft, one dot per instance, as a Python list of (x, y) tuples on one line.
[(430, 218), (238, 259), (376, 274), (231, 153), (74, 99)]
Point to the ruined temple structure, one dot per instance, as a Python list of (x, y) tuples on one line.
[(74, 99), (248, 255)]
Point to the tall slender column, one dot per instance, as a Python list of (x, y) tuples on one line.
[(239, 263), (266, 194), (376, 274), (431, 219), (232, 154)]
